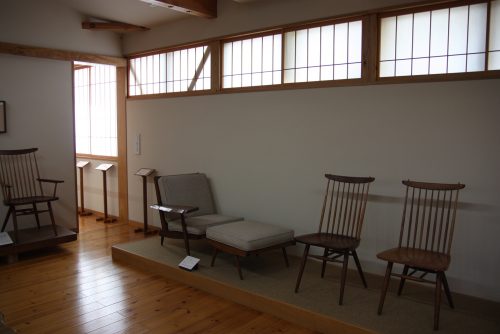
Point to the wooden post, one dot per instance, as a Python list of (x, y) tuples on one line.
[(81, 165), (104, 168), (144, 173)]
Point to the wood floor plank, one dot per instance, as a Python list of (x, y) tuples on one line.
[(77, 288)]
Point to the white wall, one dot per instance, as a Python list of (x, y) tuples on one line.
[(39, 115), (51, 24), (266, 152)]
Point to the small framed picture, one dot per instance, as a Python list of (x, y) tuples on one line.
[(3, 117)]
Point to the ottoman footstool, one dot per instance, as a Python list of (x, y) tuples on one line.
[(243, 238)]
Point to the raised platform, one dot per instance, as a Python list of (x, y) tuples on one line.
[(34, 238), (268, 287)]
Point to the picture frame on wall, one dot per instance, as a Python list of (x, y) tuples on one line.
[(3, 117)]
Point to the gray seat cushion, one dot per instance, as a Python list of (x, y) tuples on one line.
[(199, 224), (187, 189), (249, 236)]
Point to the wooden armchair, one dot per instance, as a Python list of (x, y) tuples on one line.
[(425, 238), (22, 187), (339, 232), (186, 207)]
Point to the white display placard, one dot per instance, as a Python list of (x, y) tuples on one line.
[(145, 172), (189, 263), (104, 166), (81, 163)]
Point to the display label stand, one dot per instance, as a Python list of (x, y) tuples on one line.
[(144, 173), (81, 164), (104, 168)]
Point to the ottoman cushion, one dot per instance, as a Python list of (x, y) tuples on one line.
[(249, 235), (199, 224)]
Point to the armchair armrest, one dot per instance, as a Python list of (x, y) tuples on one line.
[(54, 182), (180, 209)]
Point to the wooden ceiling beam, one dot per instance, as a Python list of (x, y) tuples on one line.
[(112, 26), (201, 8), (33, 51)]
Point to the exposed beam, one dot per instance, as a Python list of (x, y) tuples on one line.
[(112, 26), (202, 8), (38, 52)]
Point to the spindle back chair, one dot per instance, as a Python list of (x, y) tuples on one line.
[(341, 222), (22, 187), (425, 238)]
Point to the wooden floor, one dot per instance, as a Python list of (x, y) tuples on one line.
[(76, 288)]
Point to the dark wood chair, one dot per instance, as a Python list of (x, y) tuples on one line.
[(339, 232), (186, 207), (425, 239), (22, 187)]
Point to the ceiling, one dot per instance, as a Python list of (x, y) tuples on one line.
[(133, 12)]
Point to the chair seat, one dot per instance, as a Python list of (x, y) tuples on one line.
[(30, 200), (327, 240), (198, 224), (249, 235), (416, 258)]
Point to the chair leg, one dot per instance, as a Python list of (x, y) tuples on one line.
[(447, 291), (6, 220), (437, 300), (323, 266), (14, 221), (52, 218), (358, 265), (214, 255), (402, 282), (343, 276), (385, 286), (286, 257), (162, 238), (238, 266), (302, 266), (35, 211)]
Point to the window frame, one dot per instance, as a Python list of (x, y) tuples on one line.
[(484, 74), (370, 52)]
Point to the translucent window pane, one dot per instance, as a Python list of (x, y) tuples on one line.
[(477, 28), (184, 64), (439, 32), (494, 60), (314, 47), (170, 67), (388, 38), (177, 65), (163, 71), (404, 32), (256, 79), (192, 63), (355, 37), (421, 29), (340, 72), (403, 67), (327, 45), (227, 82), (495, 26), (456, 64), (256, 55), (458, 30), (246, 56), (475, 62), (276, 77), (289, 76), (237, 80), (228, 59), (277, 52), (267, 78), (327, 72), (301, 75), (340, 48), (313, 74), (387, 69), (354, 71), (420, 66), (290, 50), (267, 53), (237, 57), (437, 65), (301, 48)]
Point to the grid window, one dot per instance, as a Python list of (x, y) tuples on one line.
[(450, 40), (330, 52), (494, 47), (95, 109), (176, 71), (252, 62)]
